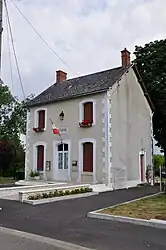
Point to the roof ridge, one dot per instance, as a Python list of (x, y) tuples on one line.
[(98, 72)]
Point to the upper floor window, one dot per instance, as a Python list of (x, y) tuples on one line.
[(87, 112), (41, 118)]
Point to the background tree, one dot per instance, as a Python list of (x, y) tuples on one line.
[(150, 61), (158, 160), (12, 125)]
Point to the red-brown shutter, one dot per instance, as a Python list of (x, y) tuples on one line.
[(88, 157), (88, 111), (40, 158), (41, 119)]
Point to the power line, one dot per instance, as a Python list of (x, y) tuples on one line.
[(10, 61), (14, 51), (44, 41)]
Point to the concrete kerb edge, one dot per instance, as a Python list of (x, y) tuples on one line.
[(152, 223), (126, 202), (49, 241), (55, 199)]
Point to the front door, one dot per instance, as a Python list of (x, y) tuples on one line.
[(88, 157), (40, 158), (63, 161)]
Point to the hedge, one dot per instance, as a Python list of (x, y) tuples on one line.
[(58, 193)]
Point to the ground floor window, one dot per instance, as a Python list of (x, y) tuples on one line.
[(88, 157), (40, 157), (63, 156)]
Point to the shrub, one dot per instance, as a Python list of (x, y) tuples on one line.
[(55, 193), (45, 195), (72, 191), (82, 190), (51, 194), (67, 192), (31, 197), (34, 174), (58, 193)]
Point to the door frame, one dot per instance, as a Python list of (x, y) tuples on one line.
[(80, 158), (55, 158), (42, 143), (144, 154)]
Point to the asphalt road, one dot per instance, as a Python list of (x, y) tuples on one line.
[(67, 221)]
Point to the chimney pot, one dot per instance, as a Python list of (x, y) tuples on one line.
[(125, 54), (61, 76)]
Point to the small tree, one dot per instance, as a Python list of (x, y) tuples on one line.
[(158, 160)]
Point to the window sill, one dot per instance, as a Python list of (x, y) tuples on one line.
[(43, 130), (86, 126)]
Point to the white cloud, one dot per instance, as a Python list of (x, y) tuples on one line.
[(88, 35)]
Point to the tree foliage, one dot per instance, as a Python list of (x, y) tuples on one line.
[(150, 61), (12, 124), (158, 160)]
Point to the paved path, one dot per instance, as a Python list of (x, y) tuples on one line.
[(67, 221), (15, 240)]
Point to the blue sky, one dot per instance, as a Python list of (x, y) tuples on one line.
[(87, 35)]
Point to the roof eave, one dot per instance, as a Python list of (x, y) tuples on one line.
[(66, 99), (140, 80)]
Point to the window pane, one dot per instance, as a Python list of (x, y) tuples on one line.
[(65, 147), (66, 160), (60, 160), (60, 147)]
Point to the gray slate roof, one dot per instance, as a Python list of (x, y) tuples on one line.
[(80, 86)]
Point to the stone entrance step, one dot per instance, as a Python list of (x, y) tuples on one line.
[(10, 191)]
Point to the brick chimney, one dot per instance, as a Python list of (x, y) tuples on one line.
[(125, 54), (61, 76)]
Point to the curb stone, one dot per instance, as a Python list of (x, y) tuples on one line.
[(55, 199), (151, 223)]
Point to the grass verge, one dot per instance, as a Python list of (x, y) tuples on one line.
[(147, 208), (7, 180)]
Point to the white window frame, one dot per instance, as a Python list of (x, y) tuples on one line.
[(81, 110), (63, 153), (80, 158), (55, 154), (36, 117)]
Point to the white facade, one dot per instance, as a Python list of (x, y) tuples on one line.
[(121, 130)]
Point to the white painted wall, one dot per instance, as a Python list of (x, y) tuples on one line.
[(131, 128), (75, 134)]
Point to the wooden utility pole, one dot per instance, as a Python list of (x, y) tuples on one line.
[(1, 29)]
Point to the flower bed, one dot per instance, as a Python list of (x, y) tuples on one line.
[(58, 193)]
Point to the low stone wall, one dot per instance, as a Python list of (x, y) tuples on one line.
[(56, 199), (15, 190), (23, 195)]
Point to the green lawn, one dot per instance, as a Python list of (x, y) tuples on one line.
[(149, 208), (7, 180)]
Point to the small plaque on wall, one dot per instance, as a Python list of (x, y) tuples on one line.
[(48, 165), (74, 163)]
